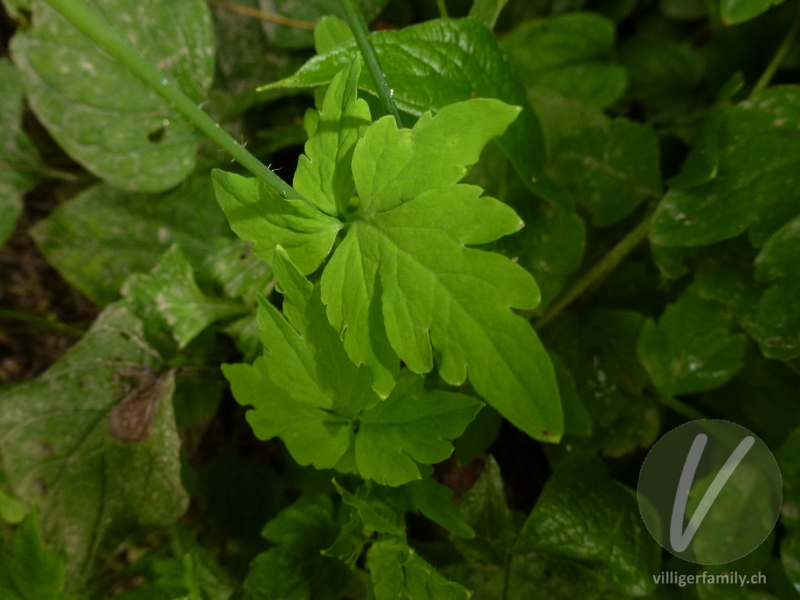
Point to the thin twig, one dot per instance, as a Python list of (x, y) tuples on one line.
[(777, 58), (264, 16), (359, 28), (604, 267)]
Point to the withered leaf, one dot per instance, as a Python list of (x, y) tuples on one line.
[(132, 419)]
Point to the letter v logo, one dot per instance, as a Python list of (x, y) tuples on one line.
[(678, 538)]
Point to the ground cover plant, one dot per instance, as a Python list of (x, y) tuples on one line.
[(387, 299)]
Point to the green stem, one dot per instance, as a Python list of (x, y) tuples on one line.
[(94, 25), (18, 315), (359, 29), (604, 267), (777, 58), (682, 408), (442, 8)]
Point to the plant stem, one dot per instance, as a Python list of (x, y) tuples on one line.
[(359, 29), (94, 25), (604, 267), (19, 315), (682, 408), (442, 8), (778, 57), (264, 16)]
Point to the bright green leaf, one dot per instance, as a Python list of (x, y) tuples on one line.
[(691, 348), (584, 515), (324, 174), (413, 62), (306, 391), (20, 165), (171, 291), (257, 213), (329, 33), (406, 257), (62, 443), (568, 54), (104, 234), (97, 110)]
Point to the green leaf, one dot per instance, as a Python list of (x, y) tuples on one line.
[(61, 439), (397, 572), (778, 313), (608, 166), (744, 193), (691, 348), (734, 12), (485, 509), (97, 110), (429, 66), (598, 347), (324, 175), (171, 291), (257, 213), (584, 515), (233, 269), (788, 457), (479, 435), (295, 569), (27, 570), (375, 513), (12, 510), (487, 11), (568, 54), (306, 391), (104, 234), (20, 165), (406, 258), (790, 556)]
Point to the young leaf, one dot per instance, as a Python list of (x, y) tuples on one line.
[(19, 161), (97, 110), (170, 289), (397, 572), (584, 515), (568, 54), (104, 234), (324, 175), (431, 65), (691, 349), (744, 192), (406, 256), (734, 12), (27, 570), (306, 391), (258, 213), (58, 450)]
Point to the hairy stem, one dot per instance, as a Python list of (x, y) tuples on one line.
[(94, 25), (602, 269), (41, 322), (359, 28), (264, 16), (778, 57)]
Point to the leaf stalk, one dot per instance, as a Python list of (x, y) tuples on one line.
[(359, 28), (777, 58)]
